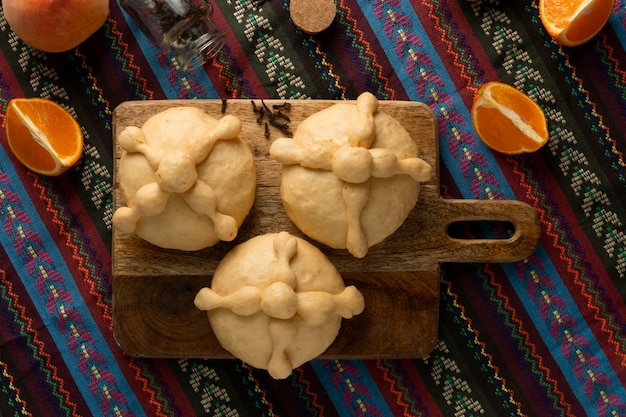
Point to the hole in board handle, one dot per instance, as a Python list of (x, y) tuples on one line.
[(481, 229)]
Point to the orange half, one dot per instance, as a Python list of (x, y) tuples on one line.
[(43, 135), (574, 22), (507, 120)]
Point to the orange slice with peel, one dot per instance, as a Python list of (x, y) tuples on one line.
[(574, 22), (507, 120), (43, 135)]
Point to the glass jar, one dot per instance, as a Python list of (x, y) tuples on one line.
[(183, 27)]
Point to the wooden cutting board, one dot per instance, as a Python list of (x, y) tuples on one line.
[(154, 288)]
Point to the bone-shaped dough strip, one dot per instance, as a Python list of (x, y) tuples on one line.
[(352, 164), (292, 152), (132, 139), (281, 334), (202, 199), (316, 307), (285, 247), (387, 164), (363, 128), (149, 200), (228, 127), (355, 197), (244, 302)]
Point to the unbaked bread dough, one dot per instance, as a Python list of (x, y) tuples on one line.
[(276, 302), (188, 181), (351, 175)]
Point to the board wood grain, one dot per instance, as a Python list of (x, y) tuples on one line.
[(154, 288)]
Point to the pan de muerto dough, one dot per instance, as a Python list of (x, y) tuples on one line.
[(351, 175), (187, 180), (276, 302)]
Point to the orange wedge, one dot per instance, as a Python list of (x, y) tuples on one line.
[(43, 135), (507, 120), (574, 22)]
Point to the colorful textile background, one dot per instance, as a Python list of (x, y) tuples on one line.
[(545, 336)]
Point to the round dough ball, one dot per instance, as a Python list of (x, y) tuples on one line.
[(189, 152), (350, 160), (295, 312)]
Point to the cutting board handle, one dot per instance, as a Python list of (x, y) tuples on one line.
[(523, 241)]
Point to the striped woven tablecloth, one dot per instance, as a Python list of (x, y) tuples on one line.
[(545, 336)]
